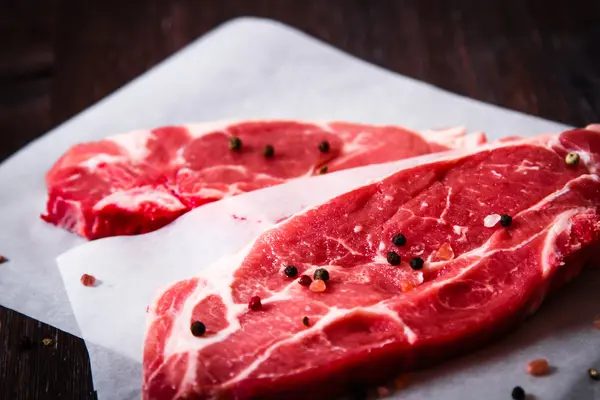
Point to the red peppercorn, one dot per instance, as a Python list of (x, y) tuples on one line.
[(255, 303), (305, 280), (87, 280)]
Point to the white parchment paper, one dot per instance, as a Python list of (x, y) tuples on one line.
[(247, 68)]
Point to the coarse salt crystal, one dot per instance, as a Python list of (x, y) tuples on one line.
[(406, 286), (445, 252), (357, 228), (491, 220)]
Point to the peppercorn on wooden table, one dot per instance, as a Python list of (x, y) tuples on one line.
[(525, 55)]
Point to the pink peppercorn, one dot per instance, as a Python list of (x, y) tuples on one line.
[(305, 280), (255, 303)]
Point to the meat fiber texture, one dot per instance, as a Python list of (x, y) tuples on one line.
[(374, 319), (140, 181)]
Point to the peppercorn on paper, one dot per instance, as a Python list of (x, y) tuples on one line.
[(252, 68)]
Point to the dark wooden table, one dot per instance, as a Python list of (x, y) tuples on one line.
[(58, 57)]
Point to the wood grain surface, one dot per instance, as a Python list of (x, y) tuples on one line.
[(58, 57)]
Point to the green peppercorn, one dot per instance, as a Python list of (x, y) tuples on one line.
[(235, 143), (572, 158), (322, 274), (269, 151)]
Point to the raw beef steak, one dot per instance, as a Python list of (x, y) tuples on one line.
[(140, 181), (460, 276)]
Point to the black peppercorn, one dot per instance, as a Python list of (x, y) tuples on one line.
[(393, 258), (197, 328), (269, 151), (324, 146), (518, 393), (399, 240), (291, 271), (416, 263), (505, 220)]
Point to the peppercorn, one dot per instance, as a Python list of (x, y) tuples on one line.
[(87, 280), (305, 321), (305, 280), (197, 328), (572, 158), (416, 263), (393, 258), (254, 304), (235, 143), (269, 151), (594, 374), (518, 393), (321, 274), (399, 240), (291, 271), (323, 170), (324, 146), (505, 220)]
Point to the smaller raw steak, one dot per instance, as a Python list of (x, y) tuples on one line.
[(427, 263), (140, 181)]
